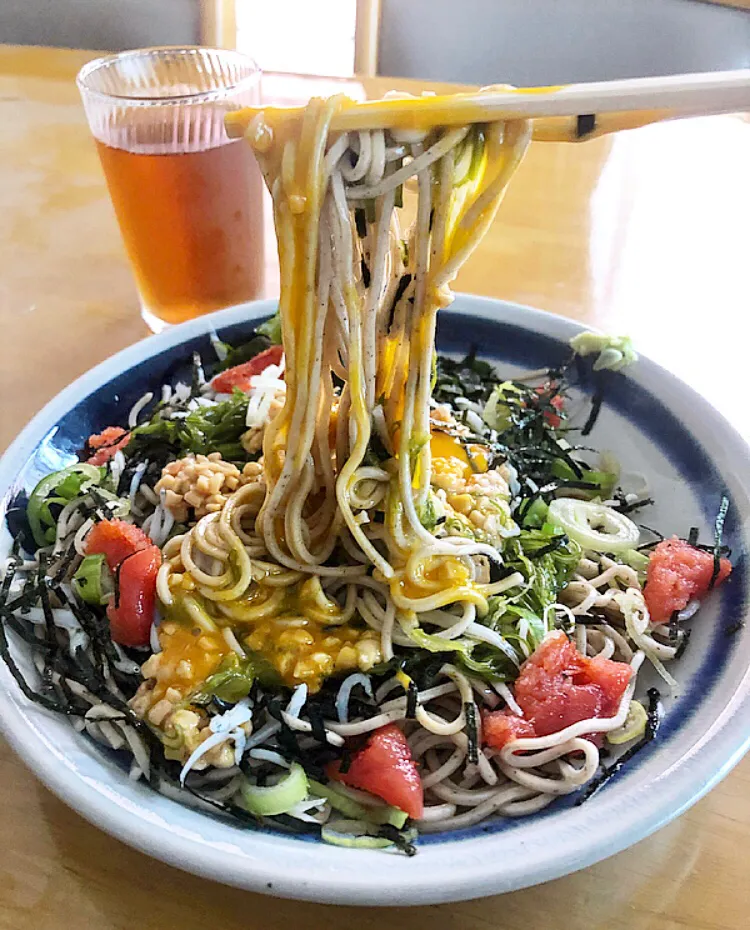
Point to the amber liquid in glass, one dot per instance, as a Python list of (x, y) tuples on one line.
[(192, 225)]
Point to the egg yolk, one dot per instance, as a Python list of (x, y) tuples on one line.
[(472, 457)]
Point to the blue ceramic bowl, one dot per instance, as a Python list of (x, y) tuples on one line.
[(653, 423)]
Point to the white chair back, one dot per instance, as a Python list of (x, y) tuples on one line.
[(110, 25), (544, 42)]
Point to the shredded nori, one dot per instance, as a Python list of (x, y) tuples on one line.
[(25, 633), (635, 505), (47, 647), (684, 640), (316, 722), (596, 406), (49, 621), (470, 712), (196, 381), (674, 626), (558, 542), (346, 761), (290, 824), (225, 807), (64, 565), (18, 524), (53, 645), (10, 574), (273, 706), (395, 836), (653, 721), (656, 533), (45, 701), (412, 695), (718, 534)]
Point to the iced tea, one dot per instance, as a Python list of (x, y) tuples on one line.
[(192, 224), (188, 199)]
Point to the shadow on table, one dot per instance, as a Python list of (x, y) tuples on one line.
[(108, 886)]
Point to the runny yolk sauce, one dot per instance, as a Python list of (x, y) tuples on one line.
[(301, 635), (437, 574), (189, 656), (304, 638), (471, 457)]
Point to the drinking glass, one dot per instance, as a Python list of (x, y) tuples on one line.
[(188, 199)]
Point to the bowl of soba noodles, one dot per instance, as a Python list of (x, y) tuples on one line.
[(369, 594)]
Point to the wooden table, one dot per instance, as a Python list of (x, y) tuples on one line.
[(645, 233)]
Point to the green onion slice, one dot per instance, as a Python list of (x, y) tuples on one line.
[(635, 559), (634, 726), (93, 580), (68, 483), (355, 834), (594, 525), (279, 798), (375, 815)]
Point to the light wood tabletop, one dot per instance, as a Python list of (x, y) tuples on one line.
[(645, 232)]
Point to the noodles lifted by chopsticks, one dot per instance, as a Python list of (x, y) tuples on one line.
[(358, 307), (347, 461)]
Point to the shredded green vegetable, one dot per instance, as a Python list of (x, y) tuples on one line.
[(613, 352), (218, 428)]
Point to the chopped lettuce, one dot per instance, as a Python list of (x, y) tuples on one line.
[(547, 558), (613, 352), (521, 629), (497, 412)]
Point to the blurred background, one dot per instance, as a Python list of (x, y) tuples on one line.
[(523, 42)]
